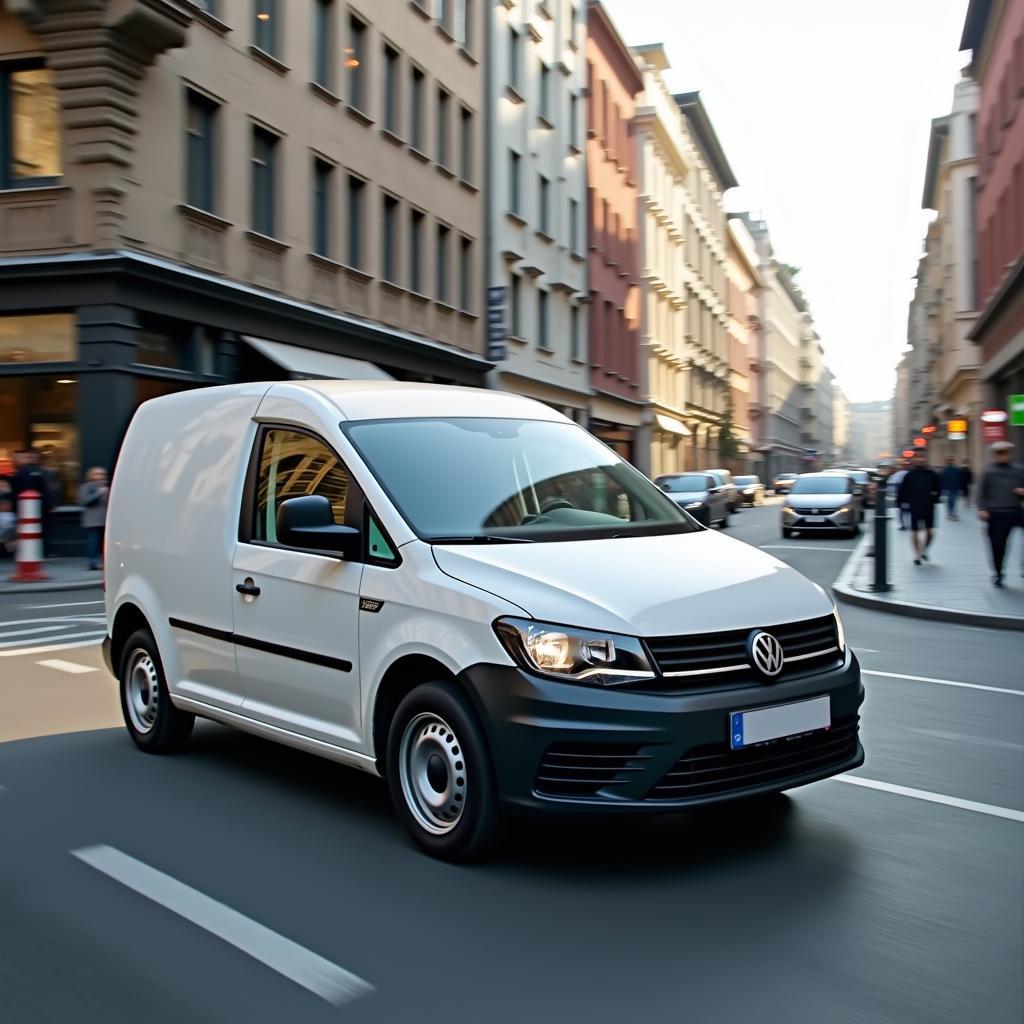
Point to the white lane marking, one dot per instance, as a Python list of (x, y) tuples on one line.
[(935, 798), (65, 604), (301, 965), (65, 636), (86, 617), (801, 547), (71, 667), (941, 682), (31, 630), (864, 650), (18, 652), (960, 737)]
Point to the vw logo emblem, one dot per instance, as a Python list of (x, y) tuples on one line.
[(766, 653)]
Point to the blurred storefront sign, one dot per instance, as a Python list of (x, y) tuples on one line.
[(993, 425)]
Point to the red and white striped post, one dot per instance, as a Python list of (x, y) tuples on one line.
[(28, 568)]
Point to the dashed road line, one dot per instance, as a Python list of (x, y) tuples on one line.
[(65, 604), (18, 652), (32, 630), (20, 648), (941, 682), (936, 798), (71, 667), (304, 967)]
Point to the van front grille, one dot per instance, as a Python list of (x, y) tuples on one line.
[(583, 769)]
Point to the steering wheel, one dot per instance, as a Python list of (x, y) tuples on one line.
[(550, 504)]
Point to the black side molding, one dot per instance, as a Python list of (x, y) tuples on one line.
[(324, 660)]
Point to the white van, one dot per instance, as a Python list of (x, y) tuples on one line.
[(464, 592)]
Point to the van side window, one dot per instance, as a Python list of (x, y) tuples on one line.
[(293, 465), (377, 543)]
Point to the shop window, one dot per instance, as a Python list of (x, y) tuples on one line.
[(46, 338), (30, 129)]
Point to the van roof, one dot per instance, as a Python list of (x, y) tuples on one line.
[(378, 399)]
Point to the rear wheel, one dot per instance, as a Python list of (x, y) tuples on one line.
[(153, 722), (440, 773)]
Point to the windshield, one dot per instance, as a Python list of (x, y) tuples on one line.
[(860, 476), (471, 480), (746, 481), (678, 484), (821, 485)]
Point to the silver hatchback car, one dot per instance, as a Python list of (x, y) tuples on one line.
[(822, 501)]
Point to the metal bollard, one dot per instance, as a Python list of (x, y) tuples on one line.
[(881, 584), (28, 568)]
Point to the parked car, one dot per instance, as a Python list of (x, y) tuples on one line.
[(751, 490), (822, 501), (699, 494), (864, 485), (464, 592), (782, 482), (725, 481)]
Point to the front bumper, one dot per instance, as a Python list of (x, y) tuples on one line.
[(527, 717), (832, 521)]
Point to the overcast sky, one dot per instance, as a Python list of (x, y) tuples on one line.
[(823, 108)]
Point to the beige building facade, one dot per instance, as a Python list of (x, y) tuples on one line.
[(743, 282), (203, 193)]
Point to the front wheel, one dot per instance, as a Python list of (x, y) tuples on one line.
[(786, 533), (440, 774), (153, 722)]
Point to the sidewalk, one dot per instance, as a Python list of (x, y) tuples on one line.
[(64, 573), (955, 585)]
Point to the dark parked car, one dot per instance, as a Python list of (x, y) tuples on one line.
[(699, 494), (783, 481), (725, 481), (751, 490)]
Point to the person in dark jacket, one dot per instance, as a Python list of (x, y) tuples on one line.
[(999, 502), (966, 480), (949, 480), (28, 475), (919, 491)]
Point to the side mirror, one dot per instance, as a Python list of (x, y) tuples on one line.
[(308, 523)]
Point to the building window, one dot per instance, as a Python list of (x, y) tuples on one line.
[(574, 332), (417, 220), (264, 181), (323, 176), (30, 127), (543, 203), (513, 58), (465, 274), (514, 192), (265, 27), (441, 263), (574, 230), (42, 338), (323, 43), (392, 100), (542, 318), (416, 109), (463, 22), (355, 62), (515, 305), (356, 202), (545, 91), (443, 115), (389, 240), (199, 150), (574, 120), (444, 14), (465, 144)]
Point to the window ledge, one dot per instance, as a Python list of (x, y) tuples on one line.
[(356, 274), (514, 94), (267, 241), (516, 218), (468, 185), (391, 286), (441, 169), (470, 317), (419, 296), (443, 31), (324, 93), (544, 236), (578, 362), (268, 60), (418, 153), (545, 350), (324, 262), (393, 137), (578, 257), (467, 56), (357, 115), (204, 217), (564, 68), (211, 21), (420, 9), (445, 307), (574, 149), (545, 122)]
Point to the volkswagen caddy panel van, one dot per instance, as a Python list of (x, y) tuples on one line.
[(465, 593)]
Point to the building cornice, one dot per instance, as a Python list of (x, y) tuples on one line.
[(694, 111)]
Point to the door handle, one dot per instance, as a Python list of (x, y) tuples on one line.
[(248, 588)]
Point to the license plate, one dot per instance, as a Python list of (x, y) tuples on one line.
[(749, 727), (814, 519)]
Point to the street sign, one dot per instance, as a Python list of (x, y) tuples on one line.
[(908, 453), (956, 430), (497, 332), (920, 442), (1017, 410), (930, 429), (993, 425)]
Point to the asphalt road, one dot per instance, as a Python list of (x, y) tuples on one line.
[(837, 903)]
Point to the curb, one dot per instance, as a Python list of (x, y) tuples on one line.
[(846, 593), (49, 587)]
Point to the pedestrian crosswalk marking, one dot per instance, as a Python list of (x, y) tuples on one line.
[(33, 630), (71, 667), (57, 645)]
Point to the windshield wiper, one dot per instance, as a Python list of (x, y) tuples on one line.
[(481, 538)]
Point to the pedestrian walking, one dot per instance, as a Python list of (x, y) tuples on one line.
[(29, 476), (894, 483), (999, 503), (92, 496), (949, 481), (919, 491), (966, 481)]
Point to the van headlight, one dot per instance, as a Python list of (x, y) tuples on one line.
[(840, 632), (574, 655), (787, 511)]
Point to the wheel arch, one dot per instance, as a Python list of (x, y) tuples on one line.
[(128, 618)]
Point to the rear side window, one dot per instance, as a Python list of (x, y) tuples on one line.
[(293, 465)]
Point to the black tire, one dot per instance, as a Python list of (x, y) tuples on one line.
[(155, 725), (476, 815), (786, 533)]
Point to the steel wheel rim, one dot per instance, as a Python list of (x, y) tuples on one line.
[(432, 771), (142, 691)]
